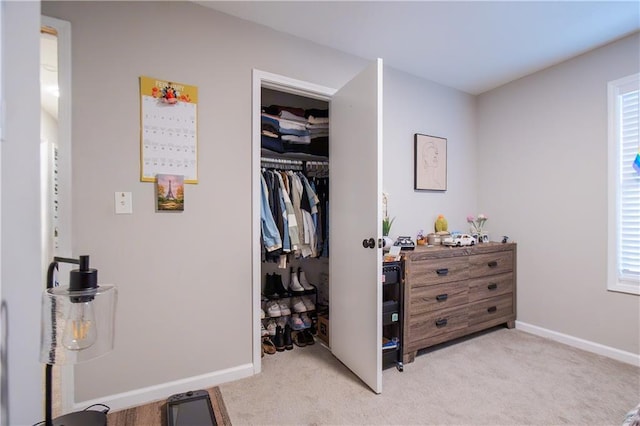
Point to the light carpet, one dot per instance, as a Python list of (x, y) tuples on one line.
[(499, 377)]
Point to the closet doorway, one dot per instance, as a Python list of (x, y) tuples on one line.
[(355, 216)]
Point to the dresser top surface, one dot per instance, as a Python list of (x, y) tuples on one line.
[(447, 251)]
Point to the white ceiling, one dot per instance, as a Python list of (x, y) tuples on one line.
[(473, 46)]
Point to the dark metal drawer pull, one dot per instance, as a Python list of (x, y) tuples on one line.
[(442, 271), (492, 309), (492, 286), (441, 322), (492, 264), (442, 297)]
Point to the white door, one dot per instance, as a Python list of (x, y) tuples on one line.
[(355, 295)]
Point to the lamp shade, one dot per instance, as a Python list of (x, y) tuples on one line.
[(77, 324)]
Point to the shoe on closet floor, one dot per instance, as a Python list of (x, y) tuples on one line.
[(299, 339), (288, 343), (263, 331), (308, 337), (271, 327), (296, 322), (278, 339), (284, 307), (279, 286), (273, 309), (303, 281), (282, 321), (267, 346), (270, 291), (305, 320), (294, 284), (298, 305), (308, 304)]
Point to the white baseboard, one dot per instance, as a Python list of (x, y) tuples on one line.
[(154, 393), (617, 354)]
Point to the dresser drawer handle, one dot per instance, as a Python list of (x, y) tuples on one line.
[(442, 297), (442, 271), (441, 322), (492, 309), (492, 264), (492, 286)]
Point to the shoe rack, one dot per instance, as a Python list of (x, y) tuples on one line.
[(289, 307)]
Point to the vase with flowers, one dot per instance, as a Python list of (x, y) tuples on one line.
[(477, 227)]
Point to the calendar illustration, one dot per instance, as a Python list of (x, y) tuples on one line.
[(168, 130)]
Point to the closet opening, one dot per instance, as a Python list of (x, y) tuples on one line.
[(294, 168), (355, 296)]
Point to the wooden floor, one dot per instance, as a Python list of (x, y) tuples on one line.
[(154, 414)]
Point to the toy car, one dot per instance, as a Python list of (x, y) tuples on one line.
[(460, 240)]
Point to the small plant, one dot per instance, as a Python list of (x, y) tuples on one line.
[(386, 226)]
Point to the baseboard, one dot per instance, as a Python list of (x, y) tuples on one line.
[(154, 393), (617, 354)]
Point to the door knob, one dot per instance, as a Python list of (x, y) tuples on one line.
[(369, 243)]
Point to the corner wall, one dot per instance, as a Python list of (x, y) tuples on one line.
[(542, 169)]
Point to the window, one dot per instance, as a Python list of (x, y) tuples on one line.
[(624, 185)]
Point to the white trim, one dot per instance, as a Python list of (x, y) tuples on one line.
[(159, 392), (282, 83), (576, 342), (63, 29), (614, 89)]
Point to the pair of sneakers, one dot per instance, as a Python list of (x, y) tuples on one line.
[(300, 321), (302, 304), (277, 308), (298, 283)]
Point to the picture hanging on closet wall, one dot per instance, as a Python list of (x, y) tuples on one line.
[(169, 192), (168, 129), (430, 168)]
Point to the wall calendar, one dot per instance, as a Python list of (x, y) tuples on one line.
[(168, 130)]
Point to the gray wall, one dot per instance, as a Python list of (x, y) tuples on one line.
[(542, 163), (184, 279)]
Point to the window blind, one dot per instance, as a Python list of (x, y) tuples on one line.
[(629, 186)]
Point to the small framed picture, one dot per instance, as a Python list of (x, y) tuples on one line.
[(169, 192), (430, 163)]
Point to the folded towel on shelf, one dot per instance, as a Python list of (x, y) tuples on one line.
[(293, 117), (318, 120), (277, 109)]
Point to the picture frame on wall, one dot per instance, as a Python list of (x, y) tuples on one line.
[(430, 163)]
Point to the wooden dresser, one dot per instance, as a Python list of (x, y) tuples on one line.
[(454, 291)]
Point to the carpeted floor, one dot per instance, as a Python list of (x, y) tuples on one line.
[(500, 377)]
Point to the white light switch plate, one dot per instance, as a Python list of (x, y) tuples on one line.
[(124, 203)]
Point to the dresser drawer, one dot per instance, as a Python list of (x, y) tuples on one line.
[(491, 286), (439, 296), (436, 271), (500, 307), (481, 265), (431, 324)]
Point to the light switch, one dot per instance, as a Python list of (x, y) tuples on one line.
[(124, 204)]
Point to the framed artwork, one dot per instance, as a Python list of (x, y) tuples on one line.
[(430, 163), (169, 192)]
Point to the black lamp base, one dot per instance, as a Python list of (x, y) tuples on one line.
[(82, 418)]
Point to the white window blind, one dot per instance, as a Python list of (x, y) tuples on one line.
[(624, 254)]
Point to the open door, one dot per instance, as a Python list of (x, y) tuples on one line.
[(355, 216)]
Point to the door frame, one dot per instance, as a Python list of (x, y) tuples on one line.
[(65, 382), (264, 79)]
